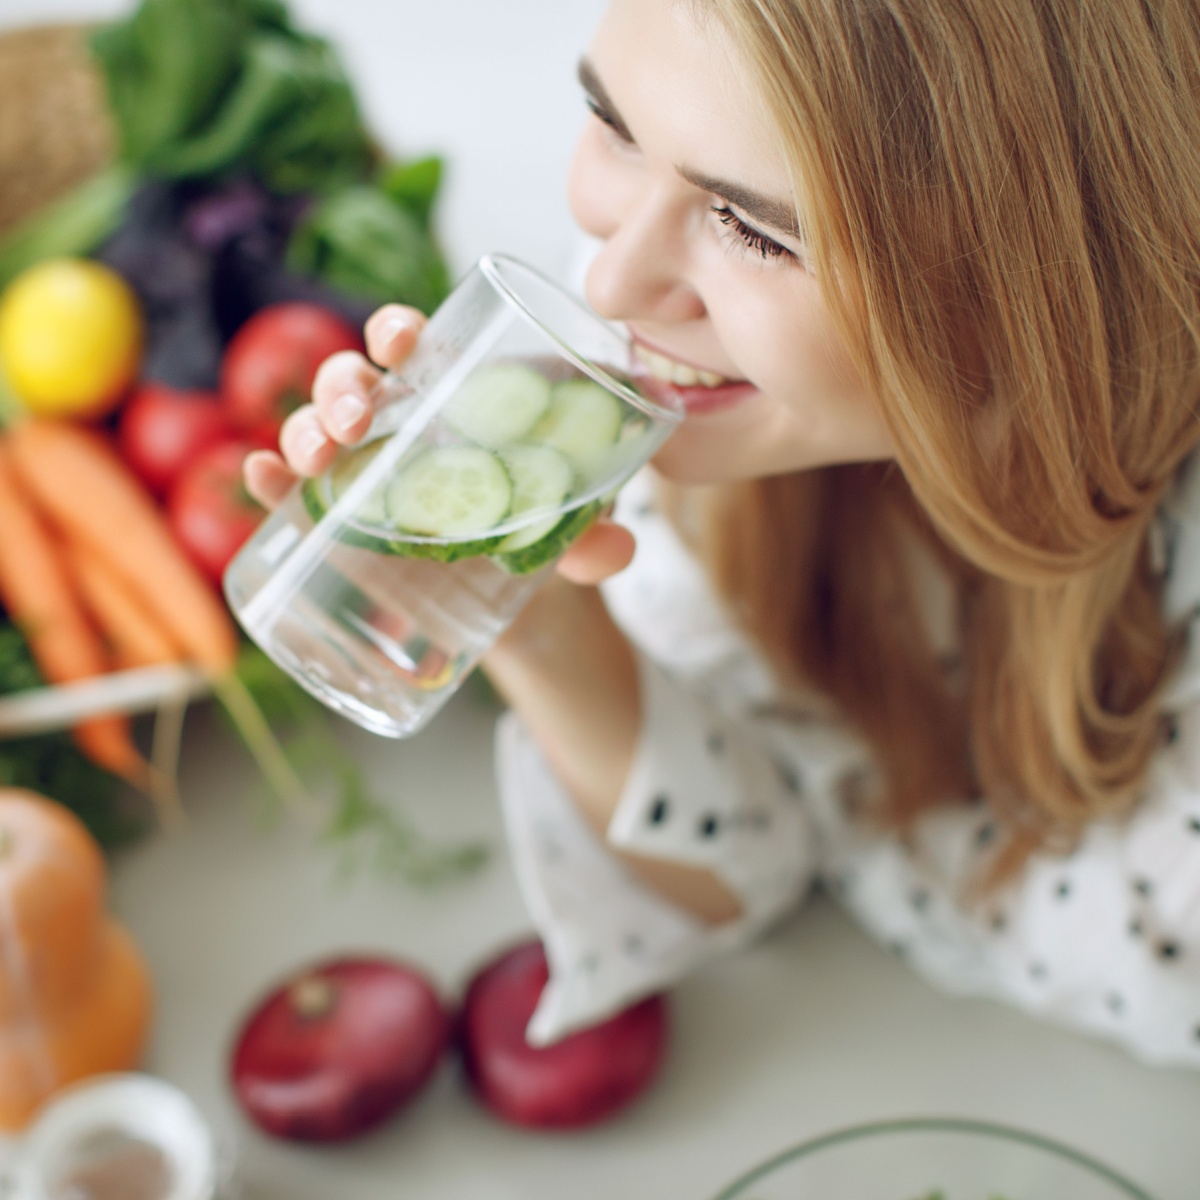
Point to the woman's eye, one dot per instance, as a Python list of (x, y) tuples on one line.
[(606, 118), (758, 242)]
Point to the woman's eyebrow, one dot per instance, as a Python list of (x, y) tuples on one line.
[(776, 213), (590, 82)]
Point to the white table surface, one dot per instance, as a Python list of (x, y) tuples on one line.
[(813, 1029)]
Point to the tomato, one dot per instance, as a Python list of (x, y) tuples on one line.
[(209, 510), (269, 366), (70, 337), (162, 430)]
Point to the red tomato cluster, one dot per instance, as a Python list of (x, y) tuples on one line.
[(188, 447)]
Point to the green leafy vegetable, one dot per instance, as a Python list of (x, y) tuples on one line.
[(362, 241), (413, 185), (167, 69), (201, 87), (209, 89)]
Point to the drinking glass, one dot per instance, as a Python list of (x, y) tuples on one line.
[(928, 1158), (379, 584)]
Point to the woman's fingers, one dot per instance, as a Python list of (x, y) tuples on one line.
[(306, 445), (603, 550), (267, 477), (345, 382), (342, 396), (391, 333)]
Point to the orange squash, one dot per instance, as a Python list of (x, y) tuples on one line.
[(75, 995), (52, 881), (104, 1030)]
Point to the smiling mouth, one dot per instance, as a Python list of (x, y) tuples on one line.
[(698, 391), (670, 370)]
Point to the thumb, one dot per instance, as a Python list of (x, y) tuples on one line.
[(602, 550)]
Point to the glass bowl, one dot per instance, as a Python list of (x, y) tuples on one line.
[(932, 1159)]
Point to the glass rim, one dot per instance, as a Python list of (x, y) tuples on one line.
[(492, 266), (964, 1125)]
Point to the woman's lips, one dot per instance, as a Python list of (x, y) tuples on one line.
[(695, 401), (677, 384)]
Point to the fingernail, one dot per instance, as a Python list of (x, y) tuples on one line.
[(310, 443), (393, 327), (348, 409)]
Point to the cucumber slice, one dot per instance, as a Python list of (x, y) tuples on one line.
[(582, 422), (542, 479), (445, 552), (562, 533), (314, 501), (449, 492), (499, 404), (315, 494), (319, 495), (373, 510)]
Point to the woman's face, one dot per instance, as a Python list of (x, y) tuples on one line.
[(679, 174)]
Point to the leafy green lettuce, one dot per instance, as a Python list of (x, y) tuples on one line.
[(369, 243), (202, 87)]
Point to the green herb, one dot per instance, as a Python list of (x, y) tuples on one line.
[(413, 185), (368, 833), (50, 763), (364, 242), (202, 87)]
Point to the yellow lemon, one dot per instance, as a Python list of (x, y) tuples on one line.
[(70, 337)]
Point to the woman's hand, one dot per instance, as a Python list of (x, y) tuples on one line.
[(563, 664), (340, 414)]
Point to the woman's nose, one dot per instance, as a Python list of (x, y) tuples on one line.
[(640, 272)]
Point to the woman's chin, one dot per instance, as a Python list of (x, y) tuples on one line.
[(694, 466)]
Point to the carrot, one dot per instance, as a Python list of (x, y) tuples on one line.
[(135, 636), (35, 588), (89, 494)]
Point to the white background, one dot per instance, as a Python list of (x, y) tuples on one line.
[(813, 1029)]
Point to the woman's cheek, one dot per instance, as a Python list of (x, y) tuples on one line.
[(767, 324), (747, 331)]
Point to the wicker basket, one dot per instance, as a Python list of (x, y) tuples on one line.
[(54, 124), (54, 133)]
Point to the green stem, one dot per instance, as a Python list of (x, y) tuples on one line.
[(279, 773), (72, 226)]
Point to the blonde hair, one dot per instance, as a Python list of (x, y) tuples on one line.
[(1003, 199)]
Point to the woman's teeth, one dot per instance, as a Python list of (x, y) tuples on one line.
[(677, 373)]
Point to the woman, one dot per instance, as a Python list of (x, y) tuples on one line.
[(909, 610)]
